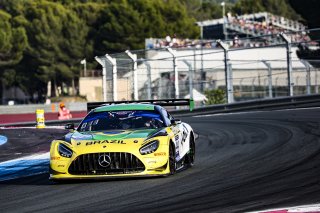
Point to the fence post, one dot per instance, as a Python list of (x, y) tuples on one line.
[(102, 61), (149, 78), (133, 57), (289, 63), (175, 69), (228, 72), (307, 65), (113, 62), (240, 86), (268, 65), (84, 62), (252, 87), (190, 78), (316, 81)]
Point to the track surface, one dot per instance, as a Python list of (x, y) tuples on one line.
[(244, 162)]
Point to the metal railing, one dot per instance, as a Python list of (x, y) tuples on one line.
[(244, 72)]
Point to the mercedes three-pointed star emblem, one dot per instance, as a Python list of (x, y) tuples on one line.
[(104, 160)]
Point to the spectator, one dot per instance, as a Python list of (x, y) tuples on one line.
[(64, 113), (168, 40)]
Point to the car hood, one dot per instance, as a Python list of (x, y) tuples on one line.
[(109, 135), (102, 141)]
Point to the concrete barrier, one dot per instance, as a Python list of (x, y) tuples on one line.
[(48, 108)]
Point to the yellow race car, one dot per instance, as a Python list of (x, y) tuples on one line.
[(120, 140)]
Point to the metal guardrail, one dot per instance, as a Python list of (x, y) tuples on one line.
[(258, 105), (31, 108)]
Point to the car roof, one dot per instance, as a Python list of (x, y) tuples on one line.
[(123, 107)]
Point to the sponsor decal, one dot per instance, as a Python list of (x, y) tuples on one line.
[(55, 158), (104, 142), (135, 141), (184, 134), (160, 154), (60, 165)]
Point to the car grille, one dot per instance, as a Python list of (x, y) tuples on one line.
[(120, 163)]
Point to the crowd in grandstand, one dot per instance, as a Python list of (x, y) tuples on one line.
[(264, 28)]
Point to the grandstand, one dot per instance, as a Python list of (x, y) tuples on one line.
[(257, 58), (263, 26)]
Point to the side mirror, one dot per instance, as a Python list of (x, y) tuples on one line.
[(175, 121), (69, 126)]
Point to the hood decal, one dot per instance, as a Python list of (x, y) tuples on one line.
[(109, 136), (113, 132)]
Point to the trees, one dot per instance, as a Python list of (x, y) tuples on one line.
[(277, 7), (56, 38), (13, 41), (125, 24), (45, 40), (215, 96)]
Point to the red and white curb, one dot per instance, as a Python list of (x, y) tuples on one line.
[(314, 208)]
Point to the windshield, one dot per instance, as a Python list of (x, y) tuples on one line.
[(121, 120)]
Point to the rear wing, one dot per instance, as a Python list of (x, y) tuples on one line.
[(163, 102)]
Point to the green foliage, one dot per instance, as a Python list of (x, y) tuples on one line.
[(215, 96), (309, 10), (125, 24), (277, 7), (13, 41), (44, 40)]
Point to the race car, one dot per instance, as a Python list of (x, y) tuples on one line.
[(123, 140)]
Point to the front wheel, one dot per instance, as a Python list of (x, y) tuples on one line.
[(192, 152), (172, 159)]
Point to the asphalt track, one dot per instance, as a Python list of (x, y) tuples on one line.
[(244, 162)]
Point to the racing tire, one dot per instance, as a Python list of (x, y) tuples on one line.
[(172, 159), (192, 152)]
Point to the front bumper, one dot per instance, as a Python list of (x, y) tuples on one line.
[(84, 164)]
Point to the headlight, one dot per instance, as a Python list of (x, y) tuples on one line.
[(149, 148), (64, 151)]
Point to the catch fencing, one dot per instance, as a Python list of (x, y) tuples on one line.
[(257, 71)]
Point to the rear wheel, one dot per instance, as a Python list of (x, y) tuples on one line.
[(172, 159), (192, 152)]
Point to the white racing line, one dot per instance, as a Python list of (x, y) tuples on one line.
[(314, 208)]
